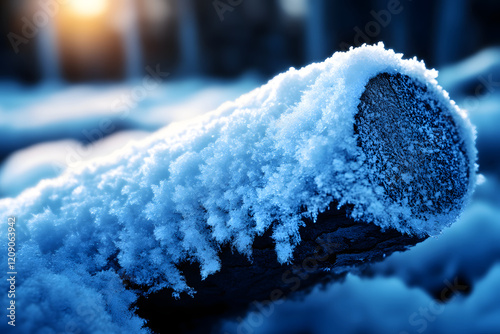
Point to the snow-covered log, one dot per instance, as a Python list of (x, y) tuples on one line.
[(414, 147), (323, 168)]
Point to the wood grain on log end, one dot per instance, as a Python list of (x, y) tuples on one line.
[(413, 144)]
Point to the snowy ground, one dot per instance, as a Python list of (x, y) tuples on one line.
[(40, 138)]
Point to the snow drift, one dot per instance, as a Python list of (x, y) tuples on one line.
[(283, 152)]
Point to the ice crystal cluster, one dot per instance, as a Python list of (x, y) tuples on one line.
[(285, 151)]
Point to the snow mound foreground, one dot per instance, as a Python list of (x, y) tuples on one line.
[(285, 151)]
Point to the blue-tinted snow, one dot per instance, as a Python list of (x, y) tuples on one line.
[(193, 186)]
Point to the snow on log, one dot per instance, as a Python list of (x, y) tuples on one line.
[(343, 162)]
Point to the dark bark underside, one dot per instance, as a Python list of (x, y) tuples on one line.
[(335, 242)]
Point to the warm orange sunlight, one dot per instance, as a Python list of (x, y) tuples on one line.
[(88, 8)]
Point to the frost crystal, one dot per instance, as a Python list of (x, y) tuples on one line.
[(265, 161)]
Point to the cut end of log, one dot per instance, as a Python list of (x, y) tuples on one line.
[(413, 145)]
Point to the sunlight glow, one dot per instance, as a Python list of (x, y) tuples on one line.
[(88, 8)]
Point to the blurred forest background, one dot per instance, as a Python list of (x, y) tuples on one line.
[(225, 38)]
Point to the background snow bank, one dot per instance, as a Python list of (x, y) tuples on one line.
[(379, 306), (181, 193), (30, 115)]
